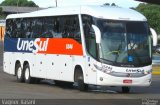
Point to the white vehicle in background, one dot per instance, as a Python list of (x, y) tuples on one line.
[(99, 45), (158, 50)]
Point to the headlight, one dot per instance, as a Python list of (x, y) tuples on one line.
[(97, 67), (104, 69)]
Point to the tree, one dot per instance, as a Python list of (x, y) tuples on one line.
[(113, 4), (22, 3), (0, 10), (152, 13), (107, 4), (2, 15)]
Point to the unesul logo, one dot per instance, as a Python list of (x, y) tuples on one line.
[(32, 45), (134, 70)]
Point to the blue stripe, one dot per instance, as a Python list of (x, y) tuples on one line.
[(10, 44)]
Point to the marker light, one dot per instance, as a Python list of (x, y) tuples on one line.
[(148, 71)]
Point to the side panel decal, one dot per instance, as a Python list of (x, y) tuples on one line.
[(64, 46)]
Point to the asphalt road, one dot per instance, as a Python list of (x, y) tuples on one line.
[(11, 89)]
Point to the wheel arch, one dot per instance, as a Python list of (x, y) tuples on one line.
[(25, 63), (79, 67)]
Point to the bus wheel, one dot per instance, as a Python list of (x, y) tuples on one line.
[(125, 89), (79, 79), (19, 73), (27, 77)]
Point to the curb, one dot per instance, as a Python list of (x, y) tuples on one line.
[(156, 70), (156, 73)]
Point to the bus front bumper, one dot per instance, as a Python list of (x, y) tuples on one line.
[(108, 80)]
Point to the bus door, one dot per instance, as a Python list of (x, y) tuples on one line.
[(91, 47)]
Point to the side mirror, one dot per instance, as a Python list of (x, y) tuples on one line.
[(97, 33), (154, 36)]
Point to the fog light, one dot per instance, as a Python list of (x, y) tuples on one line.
[(101, 79)]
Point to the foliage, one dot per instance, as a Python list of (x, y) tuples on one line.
[(2, 16), (152, 13), (0, 10), (22, 3)]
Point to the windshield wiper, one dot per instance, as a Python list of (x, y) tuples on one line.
[(106, 61), (119, 47)]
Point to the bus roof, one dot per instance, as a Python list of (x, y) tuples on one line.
[(105, 12)]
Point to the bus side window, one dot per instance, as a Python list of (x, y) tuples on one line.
[(71, 28), (46, 28), (89, 36), (14, 28), (77, 34), (67, 27), (9, 24), (34, 27), (28, 28)]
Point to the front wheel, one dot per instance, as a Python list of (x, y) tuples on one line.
[(79, 79)]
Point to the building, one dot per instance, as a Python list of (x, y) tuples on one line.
[(13, 9), (2, 29), (6, 10)]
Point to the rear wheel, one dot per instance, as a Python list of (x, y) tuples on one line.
[(125, 89), (79, 79), (27, 77), (19, 73)]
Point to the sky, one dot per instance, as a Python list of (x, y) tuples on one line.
[(51, 3)]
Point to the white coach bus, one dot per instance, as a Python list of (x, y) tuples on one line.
[(97, 45)]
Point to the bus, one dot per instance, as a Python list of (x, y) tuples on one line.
[(85, 45)]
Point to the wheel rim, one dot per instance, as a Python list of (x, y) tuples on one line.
[(27, 74), (80, 77), (19, 72)]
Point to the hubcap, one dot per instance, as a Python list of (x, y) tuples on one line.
[(19, 72), (27, 74)]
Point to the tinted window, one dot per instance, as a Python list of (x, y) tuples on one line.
[(44, 27), (89, 35), (70, 27)]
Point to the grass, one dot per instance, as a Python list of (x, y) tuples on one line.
[(2, 16)]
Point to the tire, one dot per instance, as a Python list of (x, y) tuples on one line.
[(125, 89), (27, 77), (19, 73), (79, 79)]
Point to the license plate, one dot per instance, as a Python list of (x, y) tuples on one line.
[(127, 81)]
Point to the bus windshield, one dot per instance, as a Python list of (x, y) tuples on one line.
[(124, 42)]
